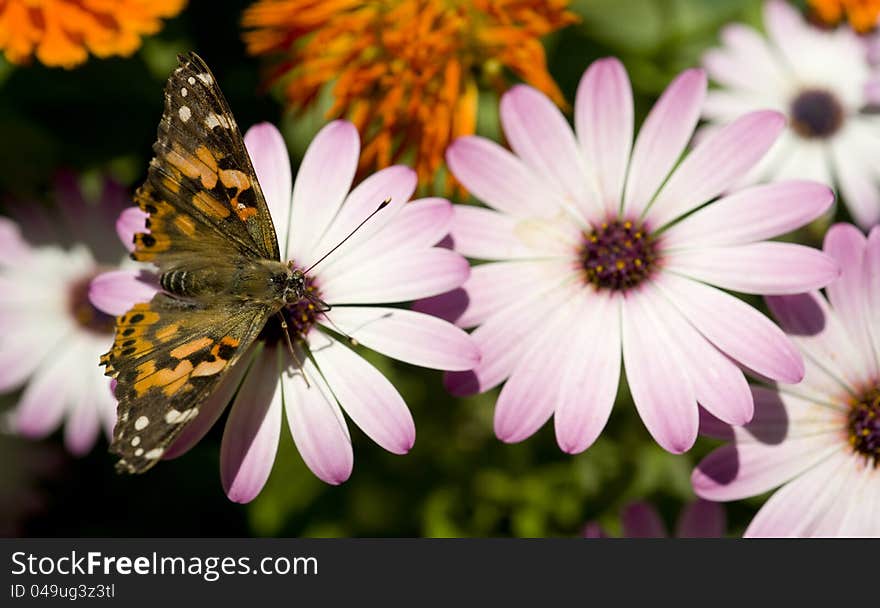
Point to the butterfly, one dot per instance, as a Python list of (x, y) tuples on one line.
[(211, 236)]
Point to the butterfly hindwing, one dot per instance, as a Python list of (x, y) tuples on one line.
[(168, 356), (201, 190)]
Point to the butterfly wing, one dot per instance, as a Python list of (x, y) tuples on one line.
[(201, 192), (168, 356)]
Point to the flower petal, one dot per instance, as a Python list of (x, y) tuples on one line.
[(502, 339), (23, 348), (13, 248), (323, 180), (752, 214), (484, 234), (130, 222), (702, 519), (660, 387), (856, 176), (268, 153), (540, 135), (395, 278), (115, 292), (408, 336), (641, 520), (603, 117), (397, 184), (736, 328), (317, 425), (662, 139), (250, 440), (497, 177), (492, 287), (719, 385), (530, 394), (715, 164), (847, 295), (365, 394), (761, 268), (795, 508), (590, 374)]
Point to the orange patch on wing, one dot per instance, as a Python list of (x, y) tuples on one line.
[(185, 224), (233, 178), (169, 331), (185, 350), (170, 380), (210, 206), (206, 368)]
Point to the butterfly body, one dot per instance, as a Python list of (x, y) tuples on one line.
[(210, 235)]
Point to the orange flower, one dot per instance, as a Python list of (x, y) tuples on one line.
[(405, 71), (861, 14), (63, 32)]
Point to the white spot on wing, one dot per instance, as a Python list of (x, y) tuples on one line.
[(141, 423), (154, 454), (206, 78), (184, 113), (191, 80), (216, 120), (139, 451), (135, 442), (184, 92)]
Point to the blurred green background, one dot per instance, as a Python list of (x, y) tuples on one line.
[(458, 480)]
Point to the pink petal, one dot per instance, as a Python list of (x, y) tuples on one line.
[(590, 374), (719, 385), (530, 395), (395, 278), (492, 287), (115, 292), (317, 425), (23, 348), (253, 428), (603, 117), (847, 295), (859, 518), (497, 177), (792, 510), (540, 135), (42, 404), (715, 164), (702, 519), (736, 328), (749, 468), (83, 423), (396, 183), (365, 394), (130, 222), (662, 138), (753, 214), (872, 287), (13, 248), (268, 153), (211, 408), (502, 340), (641, 520), (323, 180), (487, 235), (761, 268), (818, 333), (858, 185), (408, 336), (660, 387), (747, 61)]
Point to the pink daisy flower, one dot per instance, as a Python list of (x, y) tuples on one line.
[(819, 440), (50, 334), (699, 519), (391, 259), (822, 80), (603, 249)]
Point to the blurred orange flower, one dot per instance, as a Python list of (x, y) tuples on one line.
[(404, 71), (63, 32), (861, 14)]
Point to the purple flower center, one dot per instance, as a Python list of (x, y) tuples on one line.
[(300, 316), (83, 311), (816, 114), (618, 254), (864, 425)]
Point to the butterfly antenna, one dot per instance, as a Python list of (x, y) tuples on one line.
[(350, 234), (292, 350)]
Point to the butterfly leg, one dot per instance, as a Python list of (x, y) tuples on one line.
[(286, 332)]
